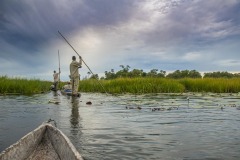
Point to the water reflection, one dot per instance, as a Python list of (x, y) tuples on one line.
[(55, 94), (74, 120)]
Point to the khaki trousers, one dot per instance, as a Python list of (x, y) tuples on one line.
[(75, 85)]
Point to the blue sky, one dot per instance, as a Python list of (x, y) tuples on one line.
[(145, 34)]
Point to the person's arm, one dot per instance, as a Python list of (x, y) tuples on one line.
[(77, 64)]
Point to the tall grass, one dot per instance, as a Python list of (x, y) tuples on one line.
[(132, 85), (162, 85), (215, 85), (126, 85), (22, 86)]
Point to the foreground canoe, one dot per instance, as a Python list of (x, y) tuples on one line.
[(45, 142)]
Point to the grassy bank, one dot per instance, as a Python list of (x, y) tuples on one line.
[(22, 86), (162, 85)]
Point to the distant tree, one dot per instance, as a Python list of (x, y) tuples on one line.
[(152, 73), (123, 72), (194, 74), (184, 74), (236, 75), (176, 74), (219, 75), (125, 69), (126, 72), (136, 73), (110, 75), (94, 76), (161, 74)]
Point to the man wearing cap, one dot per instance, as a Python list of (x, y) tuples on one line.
[(74, 74)]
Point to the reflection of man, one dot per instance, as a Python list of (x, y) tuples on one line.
[(74, 74), (74, 120)]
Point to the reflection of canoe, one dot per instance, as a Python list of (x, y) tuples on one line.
[(69, 93), (45, 142)]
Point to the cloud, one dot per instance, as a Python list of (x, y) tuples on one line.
[(192, 56), (228, 63), (145, 34)]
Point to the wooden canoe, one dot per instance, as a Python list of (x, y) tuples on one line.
[(69, 93), (45, 142)]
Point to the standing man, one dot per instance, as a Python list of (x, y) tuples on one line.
[(74, 74), (55, 80)]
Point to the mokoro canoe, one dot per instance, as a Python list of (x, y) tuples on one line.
[(68, 92), (45, 142)]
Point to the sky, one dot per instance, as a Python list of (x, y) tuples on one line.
[(169, 35)]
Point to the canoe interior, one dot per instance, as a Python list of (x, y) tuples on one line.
[(45, 143)]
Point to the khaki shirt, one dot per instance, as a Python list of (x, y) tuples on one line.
[(74, 68), (55, 77)]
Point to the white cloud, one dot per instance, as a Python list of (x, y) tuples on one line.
[(192, 56), (228, 63)]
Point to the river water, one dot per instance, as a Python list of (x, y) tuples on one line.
[(152, 126)]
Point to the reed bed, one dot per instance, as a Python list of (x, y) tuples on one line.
[(214, 85), (162, 85), (126, 85), (23, 86), (132, 85)]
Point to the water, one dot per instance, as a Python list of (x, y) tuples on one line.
[(114, 127)]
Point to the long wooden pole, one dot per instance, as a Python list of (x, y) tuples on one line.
[(59, 69), (82, 59)]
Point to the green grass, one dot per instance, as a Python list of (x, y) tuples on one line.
[(161, 85), (132, 85), (23, 86), (126, 85), (215, 85)]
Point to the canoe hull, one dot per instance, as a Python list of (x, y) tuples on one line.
[(69, 93), (46, 142)]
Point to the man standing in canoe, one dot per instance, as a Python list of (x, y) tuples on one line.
[(74, 74), (55, 79)]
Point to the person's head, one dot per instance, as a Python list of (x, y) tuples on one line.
[(54, 71), (68, 83), (73, 58)]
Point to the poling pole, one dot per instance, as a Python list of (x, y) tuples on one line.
[(82, 59), (59, 70)]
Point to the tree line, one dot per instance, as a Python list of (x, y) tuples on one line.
[(125, 72)]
